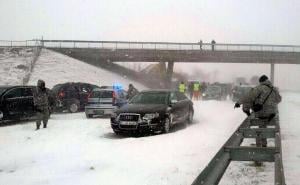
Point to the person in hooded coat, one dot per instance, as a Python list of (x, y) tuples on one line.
[(41, 104), (262, 100), (132, 91)]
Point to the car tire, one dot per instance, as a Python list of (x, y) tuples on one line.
[(167, 125), (190, 116), (89, 115), (73, 106), (117, 132)]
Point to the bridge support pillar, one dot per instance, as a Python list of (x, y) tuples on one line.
[(169, 74), (272, 72)]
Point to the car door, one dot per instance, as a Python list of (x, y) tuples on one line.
[(27, 99), (121, 98), (12, 101), (84, 91), (175, 108), (183, 102)]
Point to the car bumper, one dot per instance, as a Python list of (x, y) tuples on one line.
[(99, 111), (143, 126)]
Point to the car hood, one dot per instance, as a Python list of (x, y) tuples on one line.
[(142, 108)]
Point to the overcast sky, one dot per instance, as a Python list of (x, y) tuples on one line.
[(226, 21)]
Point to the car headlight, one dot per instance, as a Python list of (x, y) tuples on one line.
[(151, 116)]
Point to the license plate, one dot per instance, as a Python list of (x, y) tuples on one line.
[(99, 112), (128, 123)]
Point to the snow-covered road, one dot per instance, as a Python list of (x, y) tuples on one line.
[(76, 150)]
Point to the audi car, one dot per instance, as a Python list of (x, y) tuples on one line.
[(153, 111)]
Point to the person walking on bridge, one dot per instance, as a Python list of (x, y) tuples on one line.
[(213, 43)]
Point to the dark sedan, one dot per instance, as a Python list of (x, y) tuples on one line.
[(151, 111)]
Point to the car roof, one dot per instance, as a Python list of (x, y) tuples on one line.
[(100, 89)]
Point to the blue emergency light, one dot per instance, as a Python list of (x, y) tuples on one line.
[(117, 86)]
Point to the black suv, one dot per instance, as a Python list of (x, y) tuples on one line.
[(151, 111), (72, 96), (16, 102)]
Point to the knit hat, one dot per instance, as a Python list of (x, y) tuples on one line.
[(263, 78)]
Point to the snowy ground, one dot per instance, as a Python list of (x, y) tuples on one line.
[(76, 150), (14, 65), (56, 68)]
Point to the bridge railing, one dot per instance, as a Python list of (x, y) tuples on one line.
[(168, 46), (23, 43), (114, 45)]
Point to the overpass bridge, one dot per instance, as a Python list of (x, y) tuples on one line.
[(173, 52)]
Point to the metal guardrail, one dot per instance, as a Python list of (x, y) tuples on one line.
[(232, 151)]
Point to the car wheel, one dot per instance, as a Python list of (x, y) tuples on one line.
[(167, 125), (117, 132), (190, 116), (74, 107), (89, 115)]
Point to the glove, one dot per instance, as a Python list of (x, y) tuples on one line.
[(237, 105), (271, 117)]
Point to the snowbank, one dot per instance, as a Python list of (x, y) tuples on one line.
[(56, 68), (14, 65)]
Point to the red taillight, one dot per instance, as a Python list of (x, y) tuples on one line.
[(89, 95), (113, 98), (61, 94)]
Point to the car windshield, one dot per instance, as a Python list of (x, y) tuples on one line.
[(102, 94), (56, 88), (150, 98), (2, 89)]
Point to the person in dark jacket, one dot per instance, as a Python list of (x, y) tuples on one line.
[(41, 104), (213, 43), (132, 91)]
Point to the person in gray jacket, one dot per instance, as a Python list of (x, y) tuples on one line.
[(41, 104), (262, 100)]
